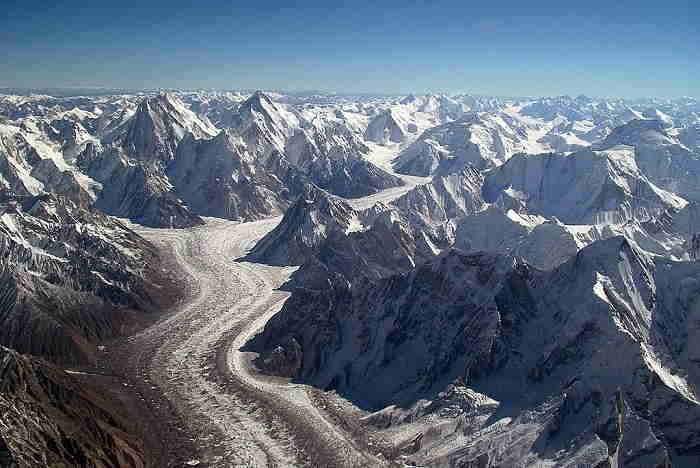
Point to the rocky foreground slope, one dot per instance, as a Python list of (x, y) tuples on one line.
[(49, 418)]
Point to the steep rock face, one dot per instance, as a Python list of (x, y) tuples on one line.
[(219, 177), (617, 322), (157, 127), (445, 197), (116, 114), (351, 178), (70, 277), (70, 132), (50, 419), (131, 163), (330, 239), (350, 245), (367, 344), (163, 167), (493, 229), (388, 245), (586, 187), (264, 125), (323, 138), (387, 127), (15, 169), (30, 165), (431, 210), (140, 192), (591, 362), (659, 156), (332, 156), (690, 136), (325, 151), (656, 114), (546, 243), (219, 108), (305, 227)]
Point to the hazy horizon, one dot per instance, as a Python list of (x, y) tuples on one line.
[(626, 49), (76, 91)]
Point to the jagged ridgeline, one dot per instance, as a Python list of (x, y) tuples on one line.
[(72, 277), (523, 307), (531, 301), (585, 358), (166, 166)]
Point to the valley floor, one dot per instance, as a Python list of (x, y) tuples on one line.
[(207, 404)]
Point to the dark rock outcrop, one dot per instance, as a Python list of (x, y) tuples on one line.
[(47, 418)]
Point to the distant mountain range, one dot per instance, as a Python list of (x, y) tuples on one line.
[(495, 282)]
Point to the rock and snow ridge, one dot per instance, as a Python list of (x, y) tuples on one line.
[(150, 166), (610, 231), (492, 325), (71, 277), (481, 140)]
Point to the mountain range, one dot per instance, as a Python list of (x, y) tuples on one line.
[(488, 282)]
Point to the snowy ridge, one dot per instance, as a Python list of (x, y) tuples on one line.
[(492, 282), (606, 298)]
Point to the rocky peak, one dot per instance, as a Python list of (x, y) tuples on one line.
[(157, 127), (387, 127), (305, 226)]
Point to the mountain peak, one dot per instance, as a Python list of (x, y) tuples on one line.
[(158, 125), (258, 101), (304, 227), (636, 132)]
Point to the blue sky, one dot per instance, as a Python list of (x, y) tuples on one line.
[(601, 48)]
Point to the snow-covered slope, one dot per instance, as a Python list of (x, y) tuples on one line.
[(585, 187), (158, 125), (690, 137), (479, 140), (323, 233), (306, 225), (445, 197), (475, 315), (31, 164), (333, 157), (219, 177), (660, 156), (131, 162), (582, 364)]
